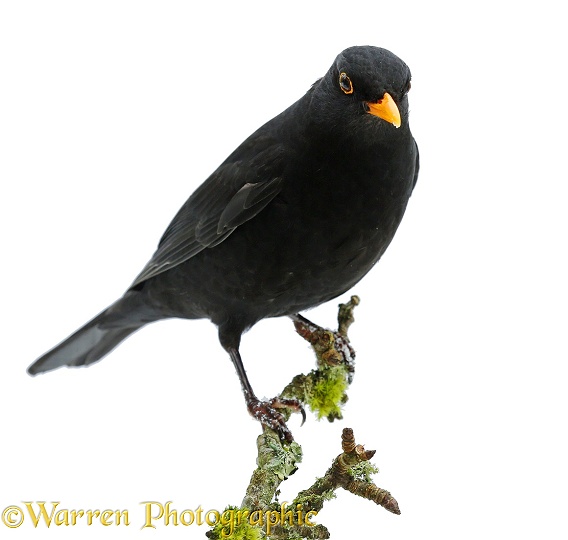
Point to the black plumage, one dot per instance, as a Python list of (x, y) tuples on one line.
[(294, 217)]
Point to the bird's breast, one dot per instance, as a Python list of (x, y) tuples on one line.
[(328, 226), (322, 233)]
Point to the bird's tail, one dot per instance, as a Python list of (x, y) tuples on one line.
[(90, 343)]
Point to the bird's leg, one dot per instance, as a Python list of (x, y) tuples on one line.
[(265, 411)]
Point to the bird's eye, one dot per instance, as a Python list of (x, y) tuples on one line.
[(345, 83)]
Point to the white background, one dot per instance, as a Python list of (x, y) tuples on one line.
[(113, 112)]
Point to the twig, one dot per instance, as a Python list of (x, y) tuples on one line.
[(340, 475)]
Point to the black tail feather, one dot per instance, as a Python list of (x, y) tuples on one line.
[(87, 345)]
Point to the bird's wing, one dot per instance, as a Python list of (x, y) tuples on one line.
[(236, 192)]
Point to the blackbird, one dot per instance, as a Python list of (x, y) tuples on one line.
[(294, 217)]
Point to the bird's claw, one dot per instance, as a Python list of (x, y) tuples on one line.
[(294, 404), (266, 412)]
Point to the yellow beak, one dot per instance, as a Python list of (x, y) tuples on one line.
[(386, 109)]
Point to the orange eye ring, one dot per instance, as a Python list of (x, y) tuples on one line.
[(345, 83)]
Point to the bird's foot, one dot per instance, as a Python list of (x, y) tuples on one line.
[(331, 347), (266, 412)]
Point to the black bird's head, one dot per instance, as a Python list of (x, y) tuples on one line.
[(365, 89)]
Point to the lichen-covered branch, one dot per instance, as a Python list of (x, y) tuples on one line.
[(345, 316), (323, 390), (276, 462), (348, 473)]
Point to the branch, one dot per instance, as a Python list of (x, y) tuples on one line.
[(323, 390), (348, 472)]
